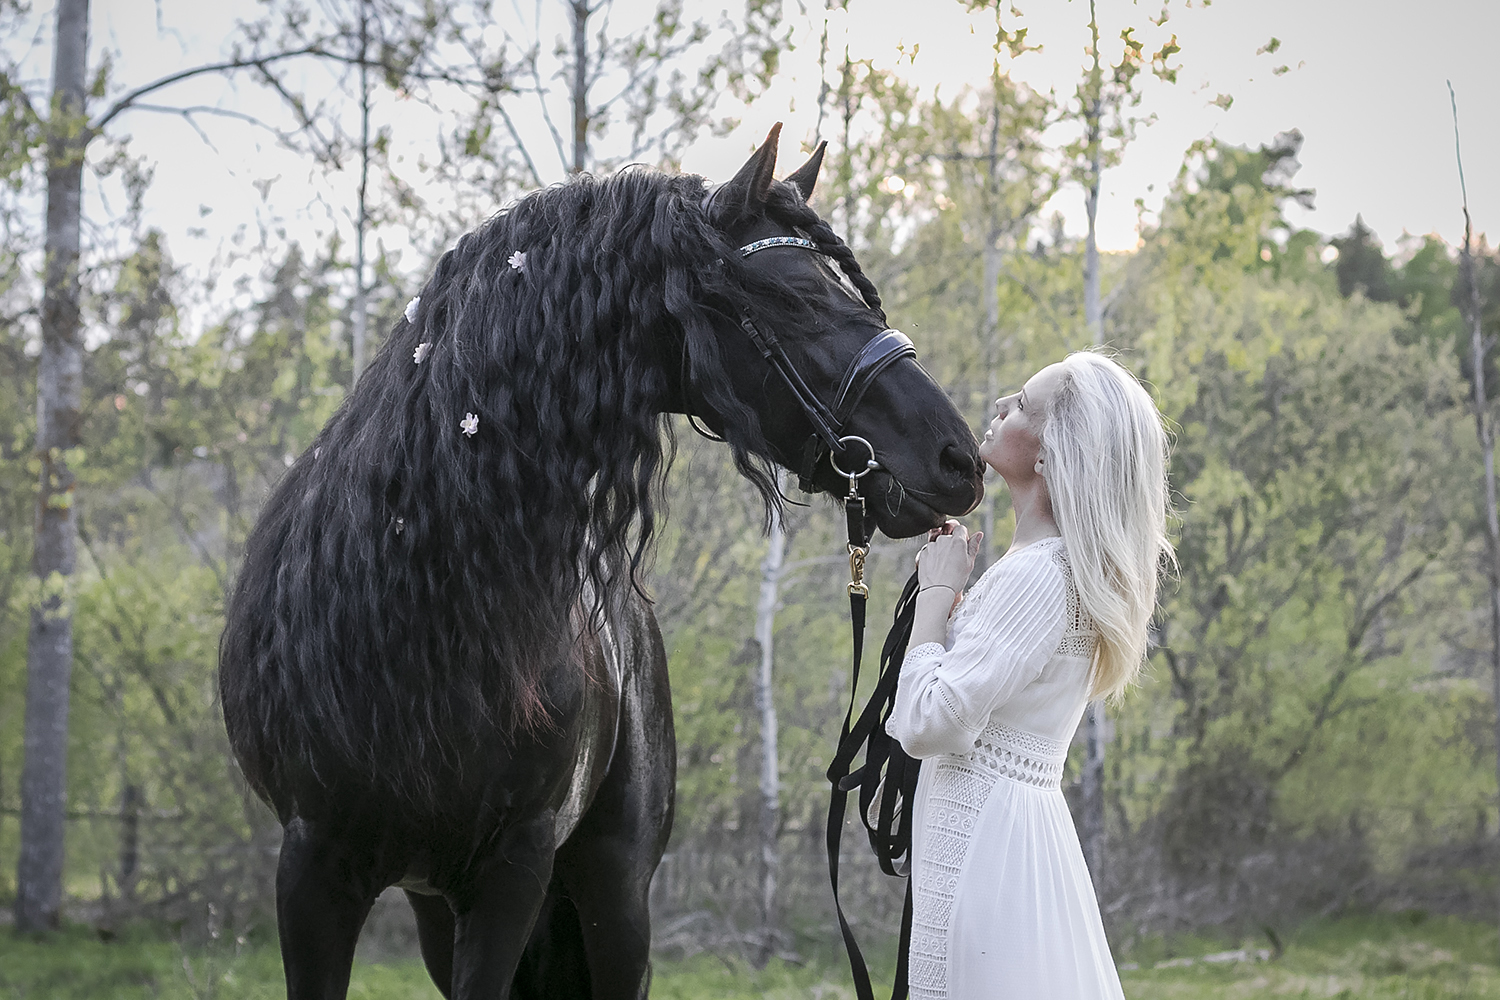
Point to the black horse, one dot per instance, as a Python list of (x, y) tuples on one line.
[(438, 667)]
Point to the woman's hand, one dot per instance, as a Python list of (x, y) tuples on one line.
[(948, 557)]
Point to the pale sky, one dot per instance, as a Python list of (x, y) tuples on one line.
[(1364, 84)]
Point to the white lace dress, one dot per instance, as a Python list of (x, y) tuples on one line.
[(1002, 902)]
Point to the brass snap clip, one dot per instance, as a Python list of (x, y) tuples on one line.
[(857, 571)]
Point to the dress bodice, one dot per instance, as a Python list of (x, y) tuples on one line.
[(1052, 705), (1019, 653)]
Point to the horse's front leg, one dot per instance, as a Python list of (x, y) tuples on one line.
[(496, 910), (322, 900), (607, 865)]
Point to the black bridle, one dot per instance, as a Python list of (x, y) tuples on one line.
[(828, 437)]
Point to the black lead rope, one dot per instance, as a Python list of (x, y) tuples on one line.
[(887, 773)]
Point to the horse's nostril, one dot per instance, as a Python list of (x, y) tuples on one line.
[(961, 462)]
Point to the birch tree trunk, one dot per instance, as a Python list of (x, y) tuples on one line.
[(49, 648), (1486, 429), (579, 13), (361, 305), (1093, 763), (1483, 424), (769, 827), (1093, 314), (990, 295)]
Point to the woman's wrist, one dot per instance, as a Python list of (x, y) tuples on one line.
[(940, 598), (935, 604)]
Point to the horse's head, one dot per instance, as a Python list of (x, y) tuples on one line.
[(804, 345)]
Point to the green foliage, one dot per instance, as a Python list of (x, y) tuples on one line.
[(1109, 93), (1361, 265), (21, 133), (1325, 464), (1402, 956), (1428, 286)]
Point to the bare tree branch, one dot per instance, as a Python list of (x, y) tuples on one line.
[(199, 109), (330, 153), (515, 136), (258, 62), (541, 91)]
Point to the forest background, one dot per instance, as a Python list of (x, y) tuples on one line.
[(1315, 731)]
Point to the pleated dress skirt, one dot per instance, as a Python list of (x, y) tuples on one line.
[(1003, 907)]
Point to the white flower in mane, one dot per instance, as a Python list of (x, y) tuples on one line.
[(421, 351), (411, 309), (517, 261), (469, 424)]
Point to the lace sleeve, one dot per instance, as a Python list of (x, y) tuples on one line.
[(945, 696)]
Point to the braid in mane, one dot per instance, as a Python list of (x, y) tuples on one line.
[(788, 205)]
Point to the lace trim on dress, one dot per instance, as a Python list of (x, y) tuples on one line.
[(1080, 634), (1025, 757), (960, 786), (958, 793)]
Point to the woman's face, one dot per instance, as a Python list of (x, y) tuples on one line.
[(1013, 442)]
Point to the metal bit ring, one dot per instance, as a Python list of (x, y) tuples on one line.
[(870, 465)]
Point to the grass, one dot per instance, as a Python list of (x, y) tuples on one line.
[(144, 966), (1384, 957), (1387, 957)]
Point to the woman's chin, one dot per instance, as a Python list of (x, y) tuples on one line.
[(988, 452)]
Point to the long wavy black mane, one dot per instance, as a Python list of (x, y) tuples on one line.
[(409, 585)]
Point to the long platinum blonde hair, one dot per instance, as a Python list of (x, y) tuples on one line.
[(1105, 452)]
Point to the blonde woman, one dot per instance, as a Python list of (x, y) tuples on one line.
[(996, 681)]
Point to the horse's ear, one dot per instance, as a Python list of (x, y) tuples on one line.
[(750, 186), (806, 175)]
